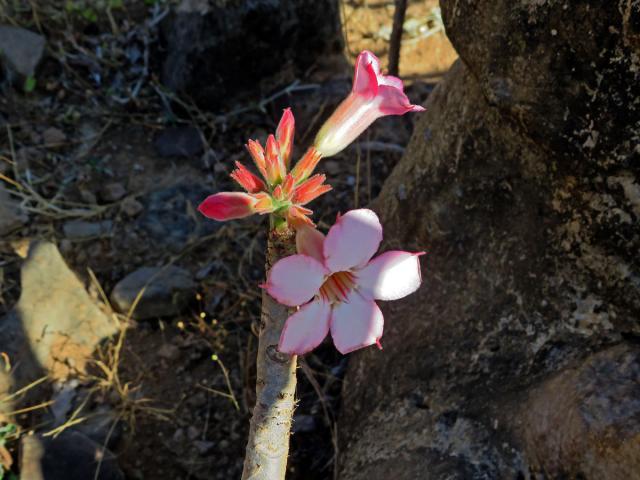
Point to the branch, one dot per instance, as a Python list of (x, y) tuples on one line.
[(268, 445), (396, 37)]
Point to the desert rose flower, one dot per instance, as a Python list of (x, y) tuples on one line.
[(337, 282), (279, 191), (372, 96)]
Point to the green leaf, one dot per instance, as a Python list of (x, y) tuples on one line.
[(90, 14), (116, 3), (30, 84)]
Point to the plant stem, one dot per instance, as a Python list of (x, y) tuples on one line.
[(395, 43), (268, 445)]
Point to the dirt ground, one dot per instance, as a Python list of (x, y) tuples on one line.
[(186, 383)]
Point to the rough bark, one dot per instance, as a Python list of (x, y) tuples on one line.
[(521, 181), (268, 445)]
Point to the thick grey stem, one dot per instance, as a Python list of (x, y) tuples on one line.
[(268, 445)]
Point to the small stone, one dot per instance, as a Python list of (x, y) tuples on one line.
[(193, 432), (11, 216), (81, 230), (197, 400), (131, 207), (88, 196), (53, 136), (203, 446), (21, 49), (169, 352), (166, 291), (178, 436), (184, 141), (112, 192)]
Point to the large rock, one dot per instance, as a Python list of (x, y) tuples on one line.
[(162, 292), (521, 181), (55, 326), (220, 48)]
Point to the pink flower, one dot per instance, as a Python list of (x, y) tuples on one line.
[(372, 96), (336, 282), (279, 192)]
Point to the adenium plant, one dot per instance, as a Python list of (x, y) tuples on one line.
[(332, 281)]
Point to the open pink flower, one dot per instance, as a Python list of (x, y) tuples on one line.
[(336, 282), (373, 95)]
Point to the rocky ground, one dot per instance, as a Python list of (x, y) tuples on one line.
[(102, 168)]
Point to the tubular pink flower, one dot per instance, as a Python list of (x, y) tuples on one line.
[(336, 282), (372, 96), (228, 205)]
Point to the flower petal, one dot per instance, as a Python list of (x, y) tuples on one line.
[(295, 279), (393, 101), (390, 276), (305, 329), (353, 240), (227, 206), (356, 323), (309, 242), (365, 79)]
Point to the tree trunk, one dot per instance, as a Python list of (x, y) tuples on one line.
[(519, 354)]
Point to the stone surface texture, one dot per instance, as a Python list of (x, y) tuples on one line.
[(220, 48), (55, 326), (518, 357), (164, 291)]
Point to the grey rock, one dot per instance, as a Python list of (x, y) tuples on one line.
[(11, 215), (164, 217), (203, 446), (166, 291), (595, 403), (21, 49), (53, 136), (82, 230), (131, 207), (69, 456), (169, 352), (102, 425), (184, 141), (112, 192)]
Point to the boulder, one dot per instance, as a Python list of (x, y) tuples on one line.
[(520, 181), (55, 326), (221, 48)]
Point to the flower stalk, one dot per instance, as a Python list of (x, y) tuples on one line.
[(268, 444)]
